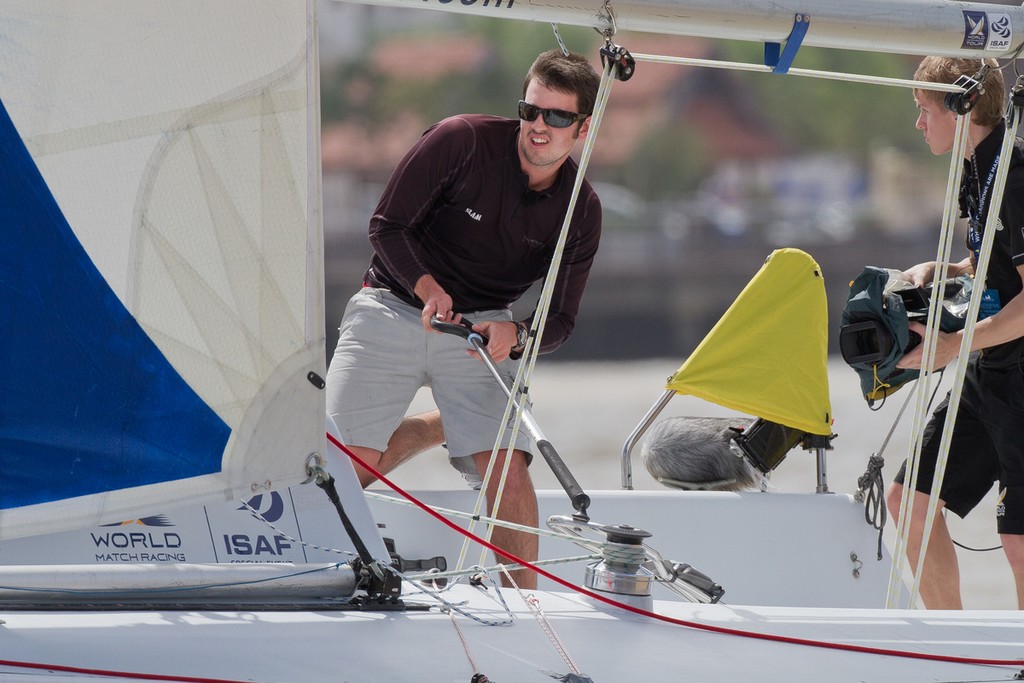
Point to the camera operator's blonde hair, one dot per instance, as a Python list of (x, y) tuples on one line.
[(990, 107)]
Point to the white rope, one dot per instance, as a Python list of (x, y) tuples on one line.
[(436, 574), (949, 216), (533, 604), (465, 645), (544, 300), (288, 537), (448, 605), (942, 266), (980, 271), (492, 521), (530, 352), (810, 73)]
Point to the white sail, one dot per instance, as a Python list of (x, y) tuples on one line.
[(161, 279), (939, 27)]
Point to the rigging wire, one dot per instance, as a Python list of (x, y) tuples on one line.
[(810, 73), (449, 606), (533, 604), (907, 500), (980, 270), (448, 512), (558, 37), (520, 384), (292, 539), (950, 210), (847, 647), (800, 72), (530, 353), (942, 260), (1011, 59)]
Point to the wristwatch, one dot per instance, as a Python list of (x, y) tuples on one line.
[(522, 336)]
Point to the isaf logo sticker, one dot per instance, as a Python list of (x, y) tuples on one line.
[(1000, 31), (269, 507)]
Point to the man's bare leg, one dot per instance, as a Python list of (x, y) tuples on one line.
[(368, 455), (940, 580), (518, 505), (1013, 546), (414, 435)]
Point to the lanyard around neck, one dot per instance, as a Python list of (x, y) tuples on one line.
[(976, 223)]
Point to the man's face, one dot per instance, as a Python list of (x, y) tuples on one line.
[(543, 146), (936, 122)]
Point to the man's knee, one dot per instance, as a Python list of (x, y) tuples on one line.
[(518, 469), (414, 435), (1013, 546), (424, 428), (520, 463)]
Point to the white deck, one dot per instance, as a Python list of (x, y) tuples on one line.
[(608, 644)]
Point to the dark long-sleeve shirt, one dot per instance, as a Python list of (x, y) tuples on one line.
[(458, 208)]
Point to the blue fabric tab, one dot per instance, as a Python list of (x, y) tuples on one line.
[(780, 63)]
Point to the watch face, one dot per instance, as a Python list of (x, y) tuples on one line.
[(522, 334)]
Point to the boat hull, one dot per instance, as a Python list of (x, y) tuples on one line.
[(607, 644), (805, 550)]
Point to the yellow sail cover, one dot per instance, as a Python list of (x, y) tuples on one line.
[(768, 355)]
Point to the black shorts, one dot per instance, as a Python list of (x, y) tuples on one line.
[(987, 447)]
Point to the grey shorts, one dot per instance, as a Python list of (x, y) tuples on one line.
[(382, 359)]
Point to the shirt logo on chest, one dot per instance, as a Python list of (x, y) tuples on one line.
[(473, 214)]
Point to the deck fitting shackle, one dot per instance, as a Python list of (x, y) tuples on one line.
[(962, 102), (625, 65)]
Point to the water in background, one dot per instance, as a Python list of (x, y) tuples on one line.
[(587, 410)]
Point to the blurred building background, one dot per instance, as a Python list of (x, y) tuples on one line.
[(702, 172)]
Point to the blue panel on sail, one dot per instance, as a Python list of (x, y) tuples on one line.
[(88, 403)]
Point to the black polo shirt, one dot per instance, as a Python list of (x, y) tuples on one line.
[(1008, 243)]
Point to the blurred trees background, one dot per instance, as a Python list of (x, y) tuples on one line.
[(702, 172), (804, 115)]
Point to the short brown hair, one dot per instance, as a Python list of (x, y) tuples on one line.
[(568, 73), (990, 107)]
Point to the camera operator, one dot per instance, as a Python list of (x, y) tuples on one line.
[(987, 444)]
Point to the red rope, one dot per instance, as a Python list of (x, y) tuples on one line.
[(114, 674), (661, 617)]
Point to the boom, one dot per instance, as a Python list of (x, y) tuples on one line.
[(919, 27)]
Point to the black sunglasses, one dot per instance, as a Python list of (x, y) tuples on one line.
[(556, 118)]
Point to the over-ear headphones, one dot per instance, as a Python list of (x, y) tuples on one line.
[(962, 102)]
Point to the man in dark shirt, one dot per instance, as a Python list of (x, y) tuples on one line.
[(467, 223), (987, 444)]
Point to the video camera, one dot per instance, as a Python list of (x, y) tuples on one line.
[(875, 332), (871, 340)]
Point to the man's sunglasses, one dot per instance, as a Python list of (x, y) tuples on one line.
[(556, 118)]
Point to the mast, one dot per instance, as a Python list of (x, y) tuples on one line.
[(918, 27)]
